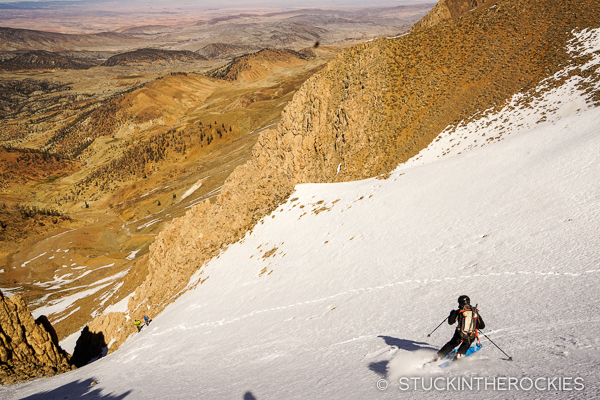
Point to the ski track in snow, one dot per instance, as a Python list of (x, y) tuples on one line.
[(423, 281)]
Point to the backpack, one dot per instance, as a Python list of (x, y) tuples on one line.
[(468, 322)]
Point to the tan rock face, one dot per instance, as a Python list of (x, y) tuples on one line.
[(376, 105), (449, 9), (114, 330), (28, 348), (184, 245)]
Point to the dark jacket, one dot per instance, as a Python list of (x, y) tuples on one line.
[(454, 315)]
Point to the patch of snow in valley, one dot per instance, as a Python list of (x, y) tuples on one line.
[(132, 255), (111, 278), (55, 236), (120, 306), (191, 190), (34, 258), (209, 195), (56, 306), (153, 190), (107, 297), (66, 316), (58, 281), (9, 292), (149, 223)]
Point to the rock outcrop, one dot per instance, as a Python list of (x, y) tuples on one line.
[(28, 348), (89, 346), (376, 105), (108, 330), (449, 9)]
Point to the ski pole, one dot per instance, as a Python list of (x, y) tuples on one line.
[(509, 357), (437, 327)]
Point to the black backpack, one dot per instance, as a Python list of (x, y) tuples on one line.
[(468, 322)]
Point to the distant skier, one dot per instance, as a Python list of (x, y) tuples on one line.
[(138, 324), (147, 320), (469, 322)]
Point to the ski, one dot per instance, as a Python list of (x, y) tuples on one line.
[(452, 354)]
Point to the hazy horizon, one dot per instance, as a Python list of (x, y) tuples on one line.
[(93, 16), (214, 3)]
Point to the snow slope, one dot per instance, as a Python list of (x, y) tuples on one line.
[(339, 287)]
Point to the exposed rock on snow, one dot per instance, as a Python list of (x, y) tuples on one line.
[(28, 348)]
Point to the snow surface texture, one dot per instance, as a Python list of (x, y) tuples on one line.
[(333, 295)]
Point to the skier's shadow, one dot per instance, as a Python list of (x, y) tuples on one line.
[(78, 389), (380, 367), (408, 345)]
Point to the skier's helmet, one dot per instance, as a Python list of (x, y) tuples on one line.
[(464, 300)]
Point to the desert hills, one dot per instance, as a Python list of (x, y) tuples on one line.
[(251, 67), (25, 39), (151, 55)]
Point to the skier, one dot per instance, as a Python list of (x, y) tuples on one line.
[(469, 321), (146, 319), (138, 324)]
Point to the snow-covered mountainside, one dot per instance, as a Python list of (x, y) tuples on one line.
[(333, 294)]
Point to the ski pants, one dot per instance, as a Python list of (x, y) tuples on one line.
[(455, 341)]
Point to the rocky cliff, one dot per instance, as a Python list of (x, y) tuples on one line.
[(28, 348), (376, 105), (450, 9)]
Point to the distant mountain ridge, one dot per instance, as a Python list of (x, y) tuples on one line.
[(214, 51), (251, 67), (42, 59), (25, 39), (152, 55)]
